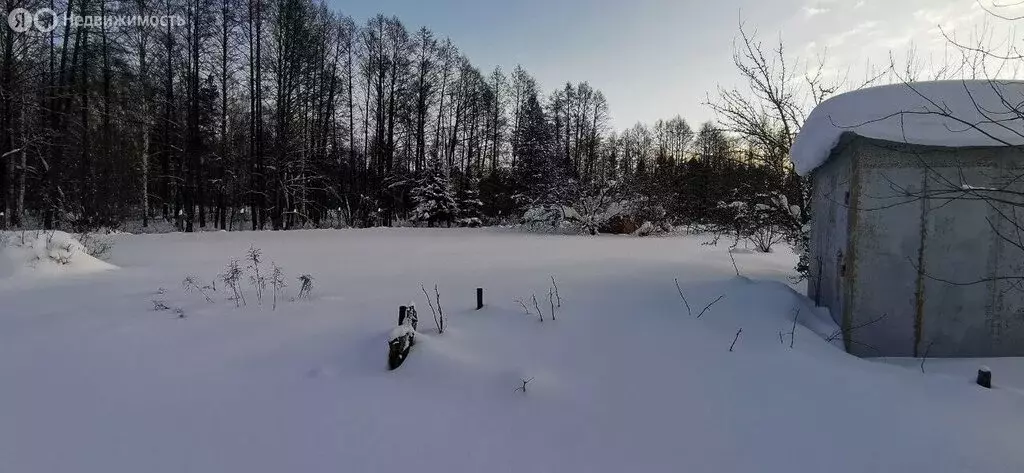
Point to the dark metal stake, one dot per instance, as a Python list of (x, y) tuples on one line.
[(479, 298), (985, 377)]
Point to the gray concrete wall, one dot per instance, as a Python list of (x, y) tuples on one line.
[(829, 230), (885, 239), (911, 257)]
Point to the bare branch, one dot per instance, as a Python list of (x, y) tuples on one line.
[(737, 337), (438, 317), (557, 297), (537, 306), (701, 314), (688, 311), (523, 387)]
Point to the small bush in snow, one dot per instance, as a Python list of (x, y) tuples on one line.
[(258, 281), (95, 244), (231, 278), (471, 222), (190, 284), (277, 281), (597, 205), (646, 229), (438, 312), (550, 217), (764, 219), (64, 256), (305, 286)]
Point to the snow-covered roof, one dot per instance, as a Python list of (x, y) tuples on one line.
[(941, 113)]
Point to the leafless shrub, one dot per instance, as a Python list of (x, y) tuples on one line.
[(5, 239), (63, 255), (305, 286), (160, 305), (190, 284), (558, 298), (179, 312), (95, 244), (438, 312), (523, 305), (715, 237), (258, 281), (277, 281), (231, 278)]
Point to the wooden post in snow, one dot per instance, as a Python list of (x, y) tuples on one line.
[(402, 337), (985, 377), (479, 298)]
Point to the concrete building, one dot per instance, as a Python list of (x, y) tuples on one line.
[(916, 193)]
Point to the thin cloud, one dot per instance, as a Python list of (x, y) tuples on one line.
[(813, 11), (860, 29)]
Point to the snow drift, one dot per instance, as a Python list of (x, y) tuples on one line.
[(940, 113), (41, 252)]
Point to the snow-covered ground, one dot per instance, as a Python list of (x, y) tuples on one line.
[(94, 380)]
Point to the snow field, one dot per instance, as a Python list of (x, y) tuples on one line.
[(623, 380)]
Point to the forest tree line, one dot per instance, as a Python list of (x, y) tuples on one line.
[(278, 114)]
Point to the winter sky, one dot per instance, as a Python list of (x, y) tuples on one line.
[(658, 58)]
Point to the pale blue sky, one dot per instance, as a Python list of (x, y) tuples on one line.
[(657, 58)]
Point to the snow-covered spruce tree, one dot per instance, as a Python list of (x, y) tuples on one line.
[(497, 194), (434, 198), (543, 177), (534, 171), (470, 207)]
